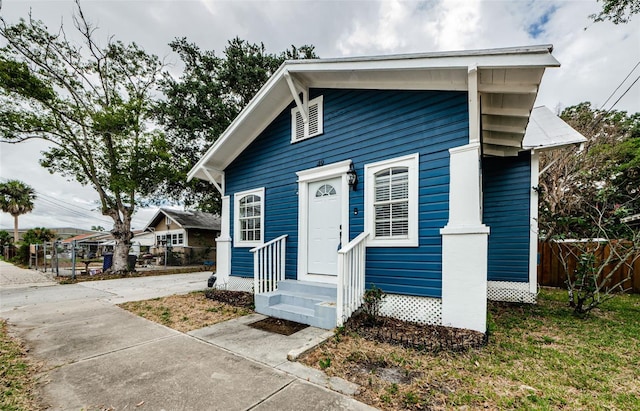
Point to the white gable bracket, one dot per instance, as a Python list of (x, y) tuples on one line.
[(296, 88), (219, 187)]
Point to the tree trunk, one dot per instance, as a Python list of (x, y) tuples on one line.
[(122, 235), (15, 230)]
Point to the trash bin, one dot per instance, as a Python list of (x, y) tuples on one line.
[(131, 262), (107, 262)]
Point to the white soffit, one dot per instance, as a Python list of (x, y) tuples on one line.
[(508, 84), (546, 131)]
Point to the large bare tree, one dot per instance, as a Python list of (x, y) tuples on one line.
[(92, 104)]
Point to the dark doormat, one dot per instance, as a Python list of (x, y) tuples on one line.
[(276, 325)]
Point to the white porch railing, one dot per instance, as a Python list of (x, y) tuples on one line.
[(351, 268), (268, 264)]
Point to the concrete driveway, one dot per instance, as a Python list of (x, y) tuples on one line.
[(98, 356)]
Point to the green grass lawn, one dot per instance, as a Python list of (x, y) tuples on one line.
[(538, 357)]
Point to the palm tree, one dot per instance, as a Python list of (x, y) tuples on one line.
[(16, 198)]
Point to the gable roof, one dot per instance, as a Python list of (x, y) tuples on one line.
[(546, 131), (187, 219), (508, 80), (92, 237)]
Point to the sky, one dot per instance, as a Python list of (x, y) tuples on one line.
[(595, 57)]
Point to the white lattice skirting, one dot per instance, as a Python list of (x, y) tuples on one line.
[(510, 292), (237, 284), (422, 310)]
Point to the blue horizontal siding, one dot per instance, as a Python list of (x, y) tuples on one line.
[(365, 126), (507, 190)]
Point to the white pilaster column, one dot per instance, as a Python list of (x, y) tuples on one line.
[(223, 244), (464, 245), (465, 237)]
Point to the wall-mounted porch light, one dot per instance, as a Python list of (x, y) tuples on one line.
[(352, 177)]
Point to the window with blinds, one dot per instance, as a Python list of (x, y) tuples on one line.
[(391, 202)]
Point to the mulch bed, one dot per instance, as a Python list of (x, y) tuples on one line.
[(81, 276), (240, 299), (276, 325), (432, 338)]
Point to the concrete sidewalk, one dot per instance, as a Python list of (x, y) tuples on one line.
[(98, 356), (16, 277)]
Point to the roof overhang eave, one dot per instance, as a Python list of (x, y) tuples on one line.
[(275, 95)]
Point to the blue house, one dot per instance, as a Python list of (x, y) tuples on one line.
[(408, 172)]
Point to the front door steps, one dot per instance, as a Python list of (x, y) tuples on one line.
[(301, 301)]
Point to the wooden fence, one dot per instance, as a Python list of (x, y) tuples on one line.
[(551, 271)]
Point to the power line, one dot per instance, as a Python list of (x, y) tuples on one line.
[(79, 211), (597, 121), (71, 211), (620, 85), (623, 94)]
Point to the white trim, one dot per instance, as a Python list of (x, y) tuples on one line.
[(465, 200), (303, 106), (474, 104), (223, 243), (323, 172), (319, 101), (212, 180), (304, 178), (237, 242), (533, 221), (185, 237), (411, 161)]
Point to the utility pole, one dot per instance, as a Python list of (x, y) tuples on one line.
[(73, 260), (55, 248)]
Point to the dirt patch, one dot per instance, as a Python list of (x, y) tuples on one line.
[(239, 299), (186, 312), (278, 326)]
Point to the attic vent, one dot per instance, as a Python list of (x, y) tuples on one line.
[(300, 130)]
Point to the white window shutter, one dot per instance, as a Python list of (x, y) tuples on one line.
[(300, 130), (299, 126), (313, 120)]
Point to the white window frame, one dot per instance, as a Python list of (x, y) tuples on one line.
[(168, 236), (412, 162), (294, 112), (237, 241)]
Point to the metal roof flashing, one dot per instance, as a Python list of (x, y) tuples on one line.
[(547, 131)]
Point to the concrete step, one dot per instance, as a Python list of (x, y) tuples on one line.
[(309, 301), (308, 287), (301, 301), (303, 315)]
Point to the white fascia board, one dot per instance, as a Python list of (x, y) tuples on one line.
[(277, 77), (153, 219), (480, 59)]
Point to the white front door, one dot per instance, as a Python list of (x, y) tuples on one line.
[(324, 230)]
